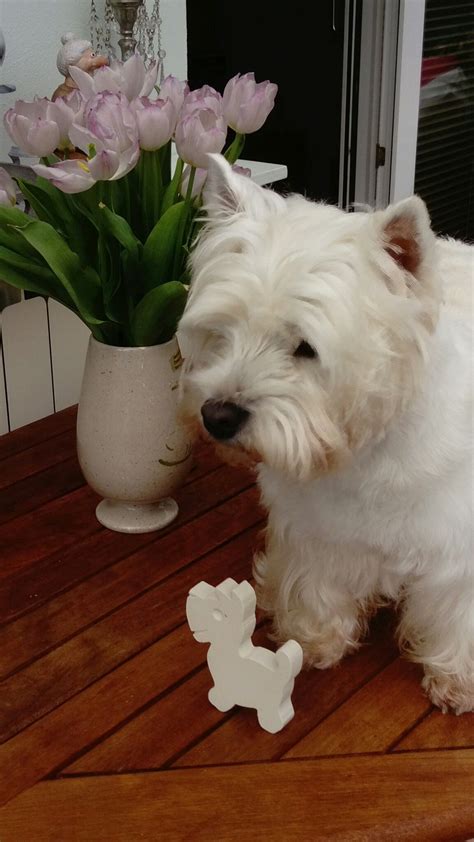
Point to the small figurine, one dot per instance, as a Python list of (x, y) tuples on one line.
[(75, 52), (243, 674)]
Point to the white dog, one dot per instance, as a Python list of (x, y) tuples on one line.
[(335, 351)]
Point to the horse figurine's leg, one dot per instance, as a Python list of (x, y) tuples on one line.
[(273, 719), (219, 699)]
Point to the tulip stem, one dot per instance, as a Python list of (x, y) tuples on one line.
[(178, 255), (235, 149), (151, 187), (189, 191), (157, 186)]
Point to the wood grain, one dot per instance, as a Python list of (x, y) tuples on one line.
[(54, 678), (372, 718), (37, 458), (317, 693), (278, 801), (175, 720), (29, 637), (42, 430), (33, 574), (54, 740), (54, 526), (34, 491), (101, 675), (439, 730)]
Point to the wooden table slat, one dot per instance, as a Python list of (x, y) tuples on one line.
[(278, 801), (439, 730), (372, 718), (59, 524), (29, 637), (37, 431), (101, 674), (69, 729), (52, 679), (35, 491), (317, 693), (38, 458)]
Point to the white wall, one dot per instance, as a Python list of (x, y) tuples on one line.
[(33, 29)]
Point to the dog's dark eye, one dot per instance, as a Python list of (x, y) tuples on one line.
[(304, 349)]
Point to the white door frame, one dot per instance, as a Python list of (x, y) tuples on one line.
[(407, 98), (389, 97)]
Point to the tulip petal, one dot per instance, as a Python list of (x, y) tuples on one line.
[(151, 76), (104, 165), (133, 76), (128, 160), (38, 137), (84, 139), (68, 176), (83, 80), (7, 189)]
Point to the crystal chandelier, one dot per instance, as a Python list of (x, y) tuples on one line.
[(131, 24)]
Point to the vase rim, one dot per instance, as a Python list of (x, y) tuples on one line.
[(100, 344)]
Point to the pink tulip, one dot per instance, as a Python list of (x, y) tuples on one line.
[(69, 176), (108, 118), (247, 104), (156, 121), (72, 107), (197, 134), (7, 189), (109, 138), (40, 127), (175, 90), (246, 171), (205, 97), (131, 78)]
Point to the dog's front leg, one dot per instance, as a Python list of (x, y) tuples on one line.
[(438, 628), (317, 594)]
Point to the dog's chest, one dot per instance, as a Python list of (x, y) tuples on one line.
[(329, 512), (350, 509)]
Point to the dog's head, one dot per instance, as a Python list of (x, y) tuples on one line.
[(306, 327)]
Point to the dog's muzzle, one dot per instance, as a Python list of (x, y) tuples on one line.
[(223, 420)]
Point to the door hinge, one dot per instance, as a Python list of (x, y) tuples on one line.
[(379, 156)]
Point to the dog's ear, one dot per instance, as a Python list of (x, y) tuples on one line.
[(227, 192), (405, 233)]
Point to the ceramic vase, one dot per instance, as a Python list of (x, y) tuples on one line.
[(132, 450)]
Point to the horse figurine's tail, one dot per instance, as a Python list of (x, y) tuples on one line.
[(289, 659)]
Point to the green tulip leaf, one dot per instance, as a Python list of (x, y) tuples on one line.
[(160, 248), (172, 190), (22, 273), (156, 317), (81, 283), (113, 225), (59, 210), (48, 203), (13, 216)]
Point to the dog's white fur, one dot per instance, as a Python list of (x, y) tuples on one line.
[(365, 454)]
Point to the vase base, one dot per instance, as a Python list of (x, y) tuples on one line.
[(136, 517)]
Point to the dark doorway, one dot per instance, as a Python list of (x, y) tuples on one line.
[(299, 45), (444, 158)]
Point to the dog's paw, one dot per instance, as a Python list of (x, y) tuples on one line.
[(323, 647), (450, 692), (324, 654)]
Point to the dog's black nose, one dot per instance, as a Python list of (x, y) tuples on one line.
[(223, 420)]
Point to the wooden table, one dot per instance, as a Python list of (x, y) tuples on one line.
[(107, 733)]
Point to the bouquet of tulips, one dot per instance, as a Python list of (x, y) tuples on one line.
[(113, 221)]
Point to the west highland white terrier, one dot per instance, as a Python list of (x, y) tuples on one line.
[(335, 352)]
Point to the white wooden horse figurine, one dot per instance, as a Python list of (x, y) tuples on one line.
[(243, 674)]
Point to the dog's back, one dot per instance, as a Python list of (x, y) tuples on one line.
[(457, 271)]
